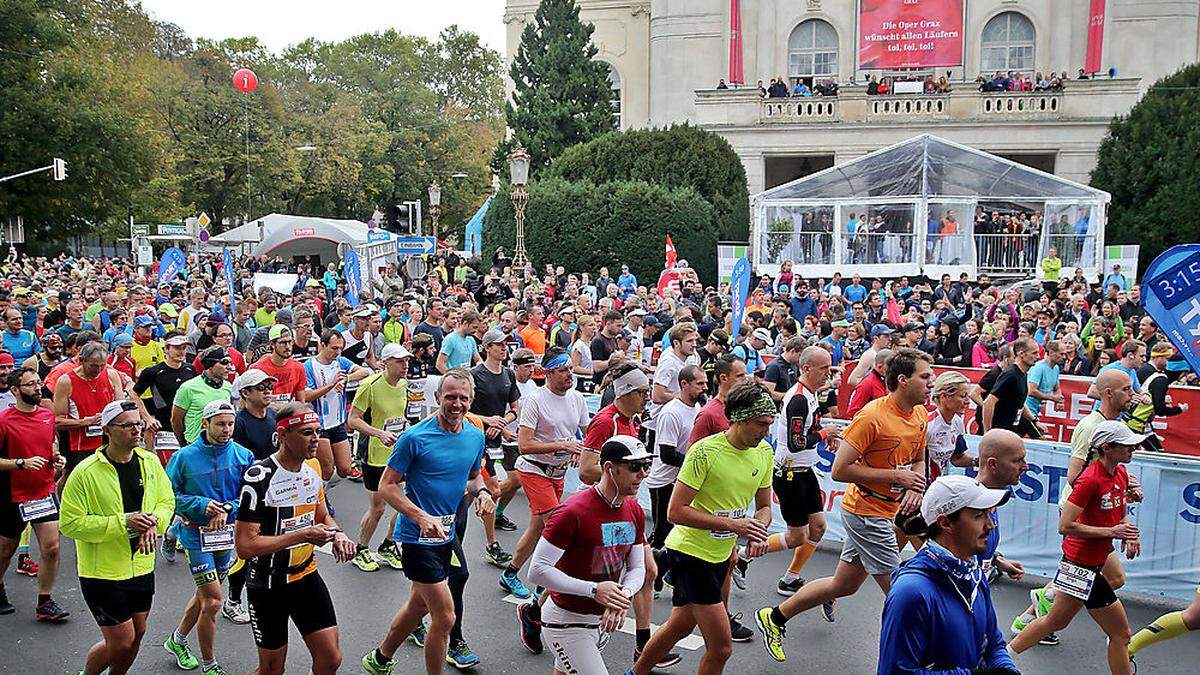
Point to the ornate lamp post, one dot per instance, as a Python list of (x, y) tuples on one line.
[(518, 165), (435, 205)]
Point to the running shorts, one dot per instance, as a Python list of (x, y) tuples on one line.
[(574, 639), (371, 476), (544, 494), (872, 540), (210, 567), (305, 601), (696, 581), (335, 434), (425, 563), (112, 603), (75, 457), (799, 494), (11, 523)]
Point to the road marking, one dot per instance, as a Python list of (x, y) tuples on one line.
[(690, 643)]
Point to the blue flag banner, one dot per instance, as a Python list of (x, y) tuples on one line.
[(172, 263), (353, 275), (1173, 300), (227, 269), (739, 287)]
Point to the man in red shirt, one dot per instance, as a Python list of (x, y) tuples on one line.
[(1093, 516), (730, 370), (872, 385), (28, 459), (290, 379)]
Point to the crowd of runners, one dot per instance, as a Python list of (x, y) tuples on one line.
[(148, 424)]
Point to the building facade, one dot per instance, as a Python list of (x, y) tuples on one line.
[(667, 56)]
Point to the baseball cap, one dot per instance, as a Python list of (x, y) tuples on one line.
[(6, 359), (213, 355), (311, 283), (215, 408), (567, 309), (21, 291), (840, 323), (762, 334), (1116, 431), (394, 351), (494, 336), (52, 337), (624, 448), (950, 494), (168, 309), (365, 312), (638, 312), (880, 329), (278, 332), (251, 378), (142, 321), (916, 325), (177, 341), (114, 410), (119, 340), (650, 320)]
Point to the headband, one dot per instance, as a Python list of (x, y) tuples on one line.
[(297, 420), (560, 361), (765, 405), (630, 382), (523, 361)]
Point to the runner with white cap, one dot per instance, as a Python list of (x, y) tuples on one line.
[(158, 384)]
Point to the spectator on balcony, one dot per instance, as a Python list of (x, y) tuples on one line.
[(930, 86), (1082, 75), (872, 86), (1115, 278), (721, 84), (943, 86), (778, 88), (801, 89), (885, 86), (762, 91), (827, 88)]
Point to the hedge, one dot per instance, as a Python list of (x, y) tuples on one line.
[(584, 226)]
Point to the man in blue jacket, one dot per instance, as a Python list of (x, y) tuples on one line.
[(938, 617), (207, 479)]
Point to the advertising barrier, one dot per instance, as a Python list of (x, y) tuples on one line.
[(909, 34)]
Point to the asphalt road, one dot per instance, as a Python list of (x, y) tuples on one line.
[(366, 602)]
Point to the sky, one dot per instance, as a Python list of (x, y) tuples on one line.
[(280, 23)]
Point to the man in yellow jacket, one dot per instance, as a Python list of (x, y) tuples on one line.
[(115, 505)]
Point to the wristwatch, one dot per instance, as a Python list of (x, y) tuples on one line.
[(227, 508), (20, 462)]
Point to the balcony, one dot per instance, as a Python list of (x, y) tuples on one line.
[(1082, 100)]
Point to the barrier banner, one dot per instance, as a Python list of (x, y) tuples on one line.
[(1180, 434), (909, 34), (1174, 301)]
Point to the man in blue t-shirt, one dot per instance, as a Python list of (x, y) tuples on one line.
[(19, 342), (458, 348), (855, 292), (424, 481), (1133, 357), (1043, 377)]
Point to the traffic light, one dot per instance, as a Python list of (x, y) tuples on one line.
[(60, 169)]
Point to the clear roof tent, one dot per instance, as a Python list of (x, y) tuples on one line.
[(928, 205)]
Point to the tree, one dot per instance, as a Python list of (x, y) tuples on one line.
[(560, 93), (1149, 163)]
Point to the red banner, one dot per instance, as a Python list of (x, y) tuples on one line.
[(1180, 434), (735, 43), (1095, 40), (909, 33)]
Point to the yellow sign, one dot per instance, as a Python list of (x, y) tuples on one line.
[(204, 220)]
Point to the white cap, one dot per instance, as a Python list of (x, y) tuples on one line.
[(638, 312), (114, 410), (394, 351), (1116, 431), (365, 312), (949, 494), (214, 408), (762, 334), (251, 378)]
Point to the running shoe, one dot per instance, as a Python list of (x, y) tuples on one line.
[(390, 556), (460, 655), (827, 610), (739, 573), (215, 670), (182, 653), (26, 565), (509, 581), (530, 621), (355, 474), (772, 635), (788, 588), (235, 611), (495, 555), (418, 635), (50, 612), (1051, 640), (739, 632), (669, 659), (375, 667), (364, 561), (168, 549), (504, 524), (6, 607), (1041, 604)]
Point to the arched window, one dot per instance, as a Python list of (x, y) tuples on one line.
[(813, 50), (1007, 43), (614, 82)]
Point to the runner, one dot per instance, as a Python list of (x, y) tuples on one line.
[(329, 375), (945, 442), (206, 478), (881, 457), (495, 402), (79, 397), (28, 459), (665, 386), (158, 385), (194, 395), (1004, 407), (1094, 515), (281, 516), (119, 482), (720, 475), (1001, 465), (522, 368), (290, 378), (382, 398), (798, 434), (591, 558), (552, 419), (435, 459)]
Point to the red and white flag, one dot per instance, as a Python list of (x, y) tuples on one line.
[(671, 255)]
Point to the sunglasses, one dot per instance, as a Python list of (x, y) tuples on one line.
[(640, 466)]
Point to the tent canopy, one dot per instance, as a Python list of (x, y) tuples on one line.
[(286, 236), (929, 166)]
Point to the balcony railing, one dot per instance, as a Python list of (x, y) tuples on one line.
[(1024, 104), (799, 109), (908, 106)]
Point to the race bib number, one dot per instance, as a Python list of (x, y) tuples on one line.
[(300, 522), (93, 431), (394, 425), (1074, 580), (279, 398), (734, 514), (216, 540), (495, 453), (38, 508), (898, 489), (447, 525), (165, 440)]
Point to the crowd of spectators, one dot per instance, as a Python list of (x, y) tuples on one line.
[(1000, 81)]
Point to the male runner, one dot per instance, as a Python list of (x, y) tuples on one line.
[(719, 477), (329, 375), (115, 505), (158, 385), (590, 557), (522, 367), (435, 460), (79, 397), (383, 397), (290, 378), (495, 402), (1001, 465), (881, 456), (665, 385), (194, 395), (206, 476), (28, 459), (281, 516)]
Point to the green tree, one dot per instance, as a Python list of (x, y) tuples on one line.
[(1150, 162), (560, 93)]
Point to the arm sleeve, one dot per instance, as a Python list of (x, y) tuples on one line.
[(1158, 393), (542, 571), (670, 445), (635, 570), (798, 436), (903, 637)]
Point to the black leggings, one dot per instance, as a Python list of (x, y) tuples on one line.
[(457, 579), (660, 498), (237, 582)]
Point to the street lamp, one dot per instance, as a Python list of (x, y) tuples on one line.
[(518, 167), (435, 204)]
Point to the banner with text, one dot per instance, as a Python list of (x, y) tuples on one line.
[(909, 33)]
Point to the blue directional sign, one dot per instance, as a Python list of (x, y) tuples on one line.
[(376, 236), (415, 245)]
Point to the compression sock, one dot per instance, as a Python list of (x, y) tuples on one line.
[(23, 544), (800, 558), (776, 543), (237, 582), (777, 617), (1163, 628), (642, 637), (499, 510)]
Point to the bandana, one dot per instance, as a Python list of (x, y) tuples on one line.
[(630, 382), (560, 361), (765, 405), (965, 577), (299, 420)]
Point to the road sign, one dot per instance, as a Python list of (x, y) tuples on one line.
[(139, 230), (375, 236), (145, 255), (172, 228), (204, 220), (415, 245)]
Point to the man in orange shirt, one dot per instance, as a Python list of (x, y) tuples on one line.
[(882, 458), (535, 337)]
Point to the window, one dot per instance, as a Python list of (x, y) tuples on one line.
[(614, 81), (812, 50), (1007, 43)]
